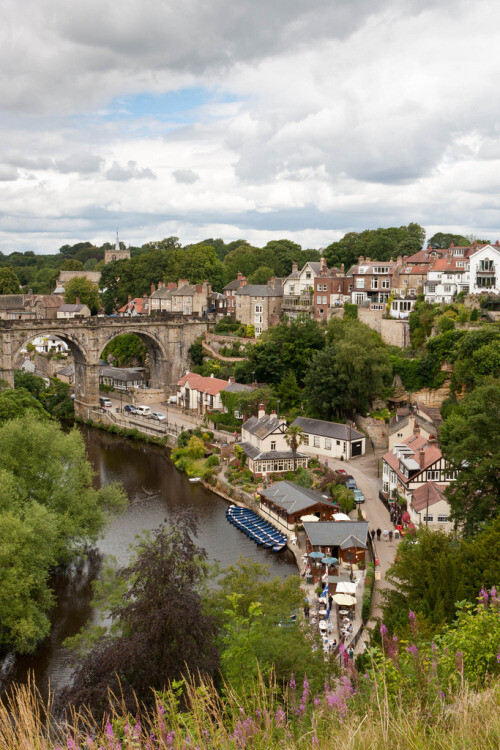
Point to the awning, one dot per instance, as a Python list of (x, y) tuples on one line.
[(346, 588), (309, 519), (344, 600)]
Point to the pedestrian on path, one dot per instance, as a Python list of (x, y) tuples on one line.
[(385, 534), (372, 534), (390, 535), (379, 531)]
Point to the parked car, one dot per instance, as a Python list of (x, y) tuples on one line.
[(172, 400), (351, 484), (358, 496), (158, 415), (143, 411), (105, 402), (342, 473), (130, 409)]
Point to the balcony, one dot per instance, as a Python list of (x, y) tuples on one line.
[(298, 302)]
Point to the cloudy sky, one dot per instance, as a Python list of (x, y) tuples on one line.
[(258, 119)]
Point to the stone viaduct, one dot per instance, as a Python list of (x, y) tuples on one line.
[(167, 342)]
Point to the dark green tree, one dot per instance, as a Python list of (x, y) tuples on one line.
[(469, 439), (196, 264), (443, 240), (9, 283), (84, 290)]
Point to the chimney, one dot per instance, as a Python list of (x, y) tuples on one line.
[(368, 260), (342, 269), (130, 298), (183, 282), (322, 265), (497, 243), (232, 379), (262, 412), (77, 301), (361, 259), (273, 414), (416, 429), (421, 458), (240, 275), (171, 285), (295, 266), (199, 288), (153, 289), (161, 284)]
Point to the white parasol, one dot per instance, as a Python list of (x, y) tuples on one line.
[(309, 519), (344, 600)]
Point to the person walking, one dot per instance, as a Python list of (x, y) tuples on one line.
[(379, 531), (390, 535), (372, 534), (385, 534), (330, 601)]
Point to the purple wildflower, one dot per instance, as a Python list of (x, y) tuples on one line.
[(292, 682), (412, 616), (483, 596), (383, 630), (412, 649)]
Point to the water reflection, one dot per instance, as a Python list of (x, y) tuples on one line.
[(157, 492)]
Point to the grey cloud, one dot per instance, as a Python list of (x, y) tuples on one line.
[(129, 172), (82, 163), (187, 176), (8, 173)]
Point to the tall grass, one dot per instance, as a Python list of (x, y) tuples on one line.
[(258, 720)]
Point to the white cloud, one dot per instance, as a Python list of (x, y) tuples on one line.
[(318, 117)]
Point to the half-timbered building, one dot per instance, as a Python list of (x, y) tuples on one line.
[(411, 463)]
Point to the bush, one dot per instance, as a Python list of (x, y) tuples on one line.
[(350, 311), (474, 314), (303, 478), (195, 447), (212, 460), (314, 463), (184, 438)]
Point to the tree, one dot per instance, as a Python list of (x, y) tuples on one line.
[(43, 472), (18, 402), (9, 283), (288, 391), (469, 439), (83, 289), (294, 436), (160, 632), (261, 275), (443, 240), (72, 265), (197, 264), (128, 350), (353, 368)]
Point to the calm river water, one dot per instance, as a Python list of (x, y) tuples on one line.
[(156, 492)]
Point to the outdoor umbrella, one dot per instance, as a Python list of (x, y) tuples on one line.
[(344, 600), (340, 517), (329, 560), (346, 588), (309, 519), (316, 554)]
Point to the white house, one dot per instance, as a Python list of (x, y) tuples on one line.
[(298, 289), (484, 274), (412, 463), (73, 311), (201, 394), (429, 507), (263, 442), (330, 439), (401, 308), (446, 278), (46, 344)]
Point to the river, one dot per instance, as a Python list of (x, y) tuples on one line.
[(156, 492)]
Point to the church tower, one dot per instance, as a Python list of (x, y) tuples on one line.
[(116, 253)]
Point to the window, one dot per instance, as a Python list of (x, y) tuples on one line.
[(316, 441), (273, 445), (305, 439), (308, 275), (428, 519), (338, 442), (325, 300), (385, 486), (447, 287), (321, 311), (374, 283), (393, 477), (258, 308), (442, 519), (433, 476), (449, 475), (386, 283), (360, 283), (328, 444), (325, 287)]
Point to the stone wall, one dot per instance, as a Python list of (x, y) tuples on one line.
[(47, 366), (432, 396), (395, 332), (376, 430), (372, 318)]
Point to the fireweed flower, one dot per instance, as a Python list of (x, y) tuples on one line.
[(412, 616), (483, 596), (383, 630), (412, 649)]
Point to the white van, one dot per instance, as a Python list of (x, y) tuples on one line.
[(105, 402), (143, 411)]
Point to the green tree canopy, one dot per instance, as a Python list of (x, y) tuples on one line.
[(261, 275), (83, 289), (377, 244), (469, 439), (196, 264), (128, 350), (9, 283), (72, 265), (443, 240)]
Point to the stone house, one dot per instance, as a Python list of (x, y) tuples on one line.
[(15, 307), (65, 276), (200, 394), (323, 439), (429, 507), (67, 312), (230, 292), (260, 305), (122, 378), (116, 253), (181, 298), (298, 289), (284, 503), (66, 374), (263, 442)]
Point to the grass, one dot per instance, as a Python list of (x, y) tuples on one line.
[(257, 720)]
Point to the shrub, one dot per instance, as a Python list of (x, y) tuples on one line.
[(212, 460), (196, 448), (184, 438), (350, 311)]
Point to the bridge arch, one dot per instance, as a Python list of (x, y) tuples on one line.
[(160, 364)]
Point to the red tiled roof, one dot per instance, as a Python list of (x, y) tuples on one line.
[(141, 305), (417, 443), (428, 494), (212, 386)]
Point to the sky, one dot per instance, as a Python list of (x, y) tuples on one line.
[(302, 119)]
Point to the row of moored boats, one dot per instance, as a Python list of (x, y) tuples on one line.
[(256, 528)]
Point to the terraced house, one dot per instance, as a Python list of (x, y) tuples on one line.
[(263, 442)]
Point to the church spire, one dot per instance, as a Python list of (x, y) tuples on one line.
[(117, 244)]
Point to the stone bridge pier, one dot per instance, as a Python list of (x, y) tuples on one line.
[(167, 341)]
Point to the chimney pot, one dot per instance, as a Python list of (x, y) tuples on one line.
[(295, 266), (262, 411), (421, 458), (153, 289)]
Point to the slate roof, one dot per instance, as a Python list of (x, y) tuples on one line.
[(293, 498), (234, 284), (257, 455), (187, 290), (72, 308), (331, 534), (239, 388), (12, 301), (66, 371), (262, 427), (328, 429), (261, 290), (127, 374)]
